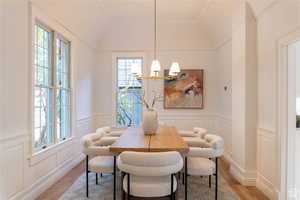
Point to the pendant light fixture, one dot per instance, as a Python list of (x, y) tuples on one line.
[(155, 66)]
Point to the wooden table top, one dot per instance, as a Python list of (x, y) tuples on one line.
[(166, 139)]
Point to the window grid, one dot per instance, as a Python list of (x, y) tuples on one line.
[(129, 107), (52, 96)]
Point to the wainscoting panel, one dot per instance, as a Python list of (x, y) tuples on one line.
[(267, 162), (188, 121), (183, 121), (12, 168), (25, 177), (67, 152)]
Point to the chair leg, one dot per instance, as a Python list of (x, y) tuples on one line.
[(96, 178), (171, 186), (128, 186), (185, 177), (87, 176), (209, 181), (115, 177), (122, 178), (216, 195)]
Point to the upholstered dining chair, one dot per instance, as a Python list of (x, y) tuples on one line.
[(109, 136), (112, 132), (199, 160), (149, 174), (193, 138), (98, 157)]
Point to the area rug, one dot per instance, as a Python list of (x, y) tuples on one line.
[(197, 189)]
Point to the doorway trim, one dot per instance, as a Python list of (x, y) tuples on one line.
[(285, 146)]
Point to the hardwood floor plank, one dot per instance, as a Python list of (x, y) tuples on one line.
[(61, 186)]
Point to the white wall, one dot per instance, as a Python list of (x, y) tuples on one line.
[(223, 101), (139, 35), (244, 93), (1, 65), (274, 22), (21, 175), (185, 42), (183, 119), (296, 162), (298, 75), (182, 41)]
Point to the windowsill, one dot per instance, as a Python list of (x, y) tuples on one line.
[(43, 154)]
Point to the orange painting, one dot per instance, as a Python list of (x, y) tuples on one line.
[(184, 91)]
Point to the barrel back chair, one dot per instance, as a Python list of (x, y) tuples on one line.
[(99, 159), (203, 160), (112, 132), (148, 174), (195, 137), (109, 136)]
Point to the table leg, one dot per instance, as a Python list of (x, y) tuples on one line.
[(115, 177), (185, 178)]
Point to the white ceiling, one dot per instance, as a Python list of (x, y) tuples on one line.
[(93, 20)]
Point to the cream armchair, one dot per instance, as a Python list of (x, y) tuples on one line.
[(111, 132), (150, 174), (109, 135), (98, 157), (194, 138), (199, 160)]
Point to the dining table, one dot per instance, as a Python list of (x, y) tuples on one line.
[(165, 139)]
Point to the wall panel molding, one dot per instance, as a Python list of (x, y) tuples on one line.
[(266, 131), (262, 12), (266, 162), (46, 181), (267, 187), (13, 137), (27, 176), (181, 120), (245, 177)]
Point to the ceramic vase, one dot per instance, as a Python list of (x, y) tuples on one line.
[(150, 122)]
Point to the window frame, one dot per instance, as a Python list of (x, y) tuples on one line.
[(125, 55), (53, 85), (132, 87)]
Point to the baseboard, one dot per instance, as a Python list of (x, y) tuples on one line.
[(45, 182), (246, 178), (266, 187)]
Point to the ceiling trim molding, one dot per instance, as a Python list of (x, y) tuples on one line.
[(223, 43), (261, 13)]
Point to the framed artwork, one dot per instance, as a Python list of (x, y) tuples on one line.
[(185, 91)]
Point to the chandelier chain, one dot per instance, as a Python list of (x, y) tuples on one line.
[(155, 30)]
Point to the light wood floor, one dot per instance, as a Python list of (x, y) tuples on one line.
[(245, 193)]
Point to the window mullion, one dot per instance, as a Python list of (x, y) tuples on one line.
[(54, 73)]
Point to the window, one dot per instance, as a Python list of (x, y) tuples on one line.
[(52, 88), (129, 91)]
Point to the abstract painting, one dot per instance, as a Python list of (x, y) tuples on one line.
[(185, 90)]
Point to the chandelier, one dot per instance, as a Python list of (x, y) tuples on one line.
[(155, 66)]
